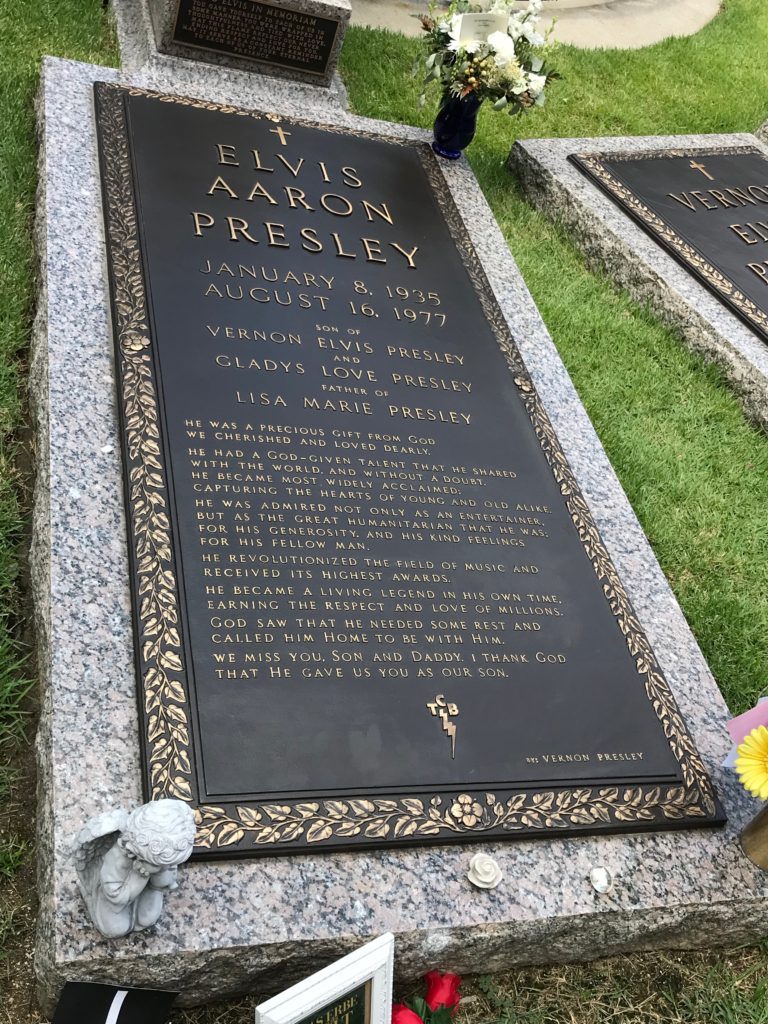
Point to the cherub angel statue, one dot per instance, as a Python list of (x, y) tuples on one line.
[(126, 862)]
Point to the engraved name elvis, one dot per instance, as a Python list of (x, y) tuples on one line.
[(293, 197), (235, 281)]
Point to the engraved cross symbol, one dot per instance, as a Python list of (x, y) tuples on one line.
[(281, 132), (702, 168)]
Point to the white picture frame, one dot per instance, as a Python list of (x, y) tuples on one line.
[(370, 968)]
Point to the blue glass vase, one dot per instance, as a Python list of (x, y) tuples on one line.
[(455, 124)]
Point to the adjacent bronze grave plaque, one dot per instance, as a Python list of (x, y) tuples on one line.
[(259, 30), (707, 207), (371, 605)]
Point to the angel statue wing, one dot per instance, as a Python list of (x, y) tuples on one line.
[(93, 842)]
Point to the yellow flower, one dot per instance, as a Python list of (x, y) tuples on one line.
[(752, 762)]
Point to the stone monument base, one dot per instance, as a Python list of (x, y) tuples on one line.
[(257, 925)]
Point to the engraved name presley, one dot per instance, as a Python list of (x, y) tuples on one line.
[(312, 197)]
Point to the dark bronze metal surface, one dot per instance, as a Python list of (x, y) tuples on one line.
[(371, 604), (258, 30), (707, 207)]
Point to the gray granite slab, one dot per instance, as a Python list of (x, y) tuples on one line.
[(612, 242), (234, 927)]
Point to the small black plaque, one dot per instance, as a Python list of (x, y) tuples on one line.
[(707, 207), (87, 1003), (258, 30), (371, 605)]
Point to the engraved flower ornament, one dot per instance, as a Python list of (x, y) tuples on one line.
[(484, 872), (466, 811)]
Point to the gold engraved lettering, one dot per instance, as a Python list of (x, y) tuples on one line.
[(220, 184), (257, 163), (704, 202), (227, 154), (199, 225), (742, 234), (761, 269), (258, 190), (380, 211), (238, 226), (294, 170), (276, 233), (684, 199), (296, 195)]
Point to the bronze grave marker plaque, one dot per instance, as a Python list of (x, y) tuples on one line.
[(258, 30), (371, 604), (707, 207)]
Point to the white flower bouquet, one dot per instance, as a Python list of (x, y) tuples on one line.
[(493, 52)]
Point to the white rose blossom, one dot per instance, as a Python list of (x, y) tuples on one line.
[(529, 32), (454, 30), (536, 84), (504, 47), (523, 23), (515, 27), (484, 872)]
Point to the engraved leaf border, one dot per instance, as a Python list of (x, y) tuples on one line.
[(162, 666), (160, 653), (721, 284)]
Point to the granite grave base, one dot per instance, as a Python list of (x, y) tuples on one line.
[(612, 242), (256, 925)]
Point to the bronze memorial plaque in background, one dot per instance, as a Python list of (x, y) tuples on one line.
[(371, 605), (259, 30), (707, 207)]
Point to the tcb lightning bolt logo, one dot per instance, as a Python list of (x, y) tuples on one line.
[(441, 709)]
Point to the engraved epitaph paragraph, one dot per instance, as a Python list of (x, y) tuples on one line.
[(267, 32), (371, 605)]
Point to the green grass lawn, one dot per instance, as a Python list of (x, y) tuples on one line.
[(28, 29), (695, 471)]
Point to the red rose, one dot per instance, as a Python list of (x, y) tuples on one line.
[(402, 1015), (442, 990)]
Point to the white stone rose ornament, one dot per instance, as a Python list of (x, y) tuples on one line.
[(484, 872)]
